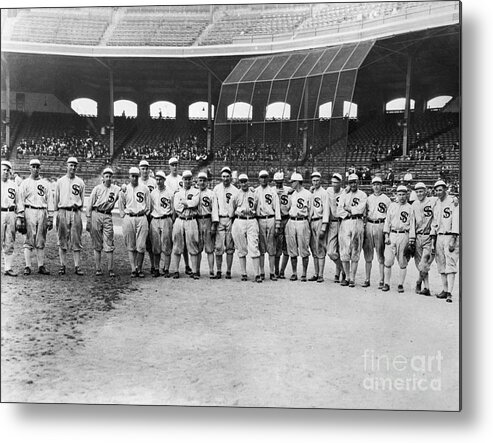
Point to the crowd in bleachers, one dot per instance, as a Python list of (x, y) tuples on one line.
[(254, 152)]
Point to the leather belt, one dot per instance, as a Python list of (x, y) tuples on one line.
[(284, 217), (162, 216), (33, 207), (398, 232), (70, 209), (104, 212), (264, 217), (11, 209), (381, 220), (136, 215), (224, 216), (201, 217), (354, 217), (298, 218), (335, 220), (422, 233), (193, 217), (316, 218), (447, 233), (242, 217)]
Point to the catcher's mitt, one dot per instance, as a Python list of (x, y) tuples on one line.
[(409, 251), (20, 225)]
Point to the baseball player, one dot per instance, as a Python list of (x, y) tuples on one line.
[(298, 226), (207, 206), (398, 229), (9, 208), (283, 193), (69, 201), (377, 205), (134, 207), (319, 220), (221, 225), (161, 227), (36, 207), (269, 223), (335, 192), (245, 228), (422, 209), (445, 234), (185, 228), (351, 207), (100, 220)]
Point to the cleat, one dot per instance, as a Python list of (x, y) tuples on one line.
[(294, 277), (42, 270), (344, 282), (380, 285), (188, 270), (366, 284), (99, 272), (61, 271), (258, 279), (425, 291), (281, 276), (351, 283), (218, 275), (27, 270), (228, 275), (273, 277), (400, 288), (343, 276), (10, 273), (244, 277), (314, 278), (303, 278), (141, 274), (211, 275), (197, 273), (78, 271), (133, 274), (262, 276), (442, 295), (153, 270), (385, 288), (449, 297), (176, 275), (418, 288), (166, 273), (155, 273), (196, 276), (320, 279), (111, 273), (336, 279)]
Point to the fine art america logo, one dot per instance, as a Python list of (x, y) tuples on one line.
[(386, 372)]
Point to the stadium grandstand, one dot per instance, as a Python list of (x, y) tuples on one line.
[(293, 87)]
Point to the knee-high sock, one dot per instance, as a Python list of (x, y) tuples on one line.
[(40, 253), (243, 265), (402, 275), (9, 258), (256, 265), (76, 258), (229, 262), (63, 256), (450, 282), (304, 261), (27, 257)]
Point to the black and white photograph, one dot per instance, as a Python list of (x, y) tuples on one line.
[(238, 205)]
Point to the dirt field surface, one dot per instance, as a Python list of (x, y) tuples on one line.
[(88, 339)]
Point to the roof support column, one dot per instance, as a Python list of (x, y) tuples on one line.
[(7, 103), (112, 113), (408, 106), (209, 111)]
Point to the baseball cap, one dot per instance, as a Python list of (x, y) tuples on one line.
[(296, 177), (242, 177), (172, 161), (7, 163), (279, 176), (34, 161), (134, 171), (401, 188), (72, 160), (226, 169), (376, 179), (263, 173), (202, 174), (108, 171), (408, 177), (143, 163), (419, 185), (337, 176), (353, 177), (316, 174), (161, 174), (439, 183), (187, 173)]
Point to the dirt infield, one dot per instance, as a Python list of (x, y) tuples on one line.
[(159, 341)]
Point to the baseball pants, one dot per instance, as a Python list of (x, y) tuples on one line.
[(267, 236), (447, 262), (374, 241), (224, 238), (298, 238), (398, 242), (422, 256), (161, 234), (135, 230), (102, 233), (69, 229), (8, 232), (281, 246), (246, 237), (317, 245), (185, 232), (206, 242), (333, 240), (351, 233), (36, 228)]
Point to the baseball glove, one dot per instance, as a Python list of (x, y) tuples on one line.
[(20, 225), (409, 251)]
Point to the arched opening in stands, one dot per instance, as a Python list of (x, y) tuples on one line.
[(125, 108), (85, 106), (325, 111), (398, 105), (198, 111), (239, 111), (350, 110), (163, 109), (278, 111), (438, 102)]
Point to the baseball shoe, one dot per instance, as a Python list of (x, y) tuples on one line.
[(228, 275), (176, 275), (425, 291), (78, 271), (111, 273), (320, 279), (153, 270), (366, 284), (294, 277), (344, 282), (10, 273), (385, 287), (418, 287), (140, 273), (262, 276), (155, 273), (273, 277), (99, 272), (400, 288), (196, 276), (303, 278), (218, 275), (43, 270), (61, 271), (258, 279), (449, 297), (133, 274), (351, 283), (188, 270), (442, 295), (343, 277), (244, 277), (380, 285), (211, 275), (281, 276), (314, 278), (27, 270), (166, 273), (336, 279)]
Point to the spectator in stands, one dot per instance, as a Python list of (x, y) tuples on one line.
[(389, 179)]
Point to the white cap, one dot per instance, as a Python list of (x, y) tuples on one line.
[(172, 160), (401, 188), (202, 174), (161, 174), (187, 173), (376, 179), (419, 185), (263, 173), (143, 163), (242, 177), (7, 163), (108, 171), (134, 171), (316, 174), (440, 183), (296, 177), (34, 161), (337, 176), (279, 176), (352, 177), (226, 169), (408, 177), (72, 160)]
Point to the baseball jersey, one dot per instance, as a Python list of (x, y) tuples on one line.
[(37, 193), (445, 217), (351, 203), (268, 202), (334, 198), (9, 193), (224, 197), (162, 202), (377, 206), (191, 196), (135, 199), (245, 203), (399, 218), (103, 198), (208, 203), (283, 195), (69, 192), (320, 207), (174, 184), (150, 183), (300, 203), (423, 214)]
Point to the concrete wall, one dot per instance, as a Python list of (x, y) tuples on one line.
[(30, 102)]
